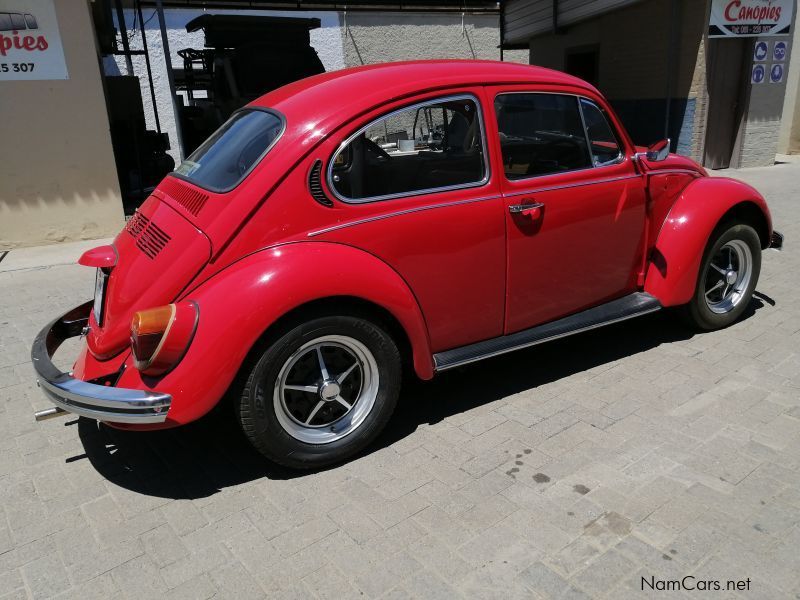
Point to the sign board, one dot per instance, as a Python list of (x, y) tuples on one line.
[(779, 52), (750, 18), (758, 74), (30, 44), (760, 51), (776, 73)]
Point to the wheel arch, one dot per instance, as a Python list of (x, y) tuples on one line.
[(352, 306), (748, 212), (704, 205), (315, 278)]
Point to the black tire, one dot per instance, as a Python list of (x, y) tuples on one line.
[(697, 312), (258, 413)]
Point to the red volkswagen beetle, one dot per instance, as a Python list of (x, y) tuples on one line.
[(419, 216)]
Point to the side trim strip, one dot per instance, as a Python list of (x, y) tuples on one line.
[(399, 213), (671, 172), (572, 185), (624, 308)]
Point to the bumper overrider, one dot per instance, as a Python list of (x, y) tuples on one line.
[(104, 403), (776, 241)]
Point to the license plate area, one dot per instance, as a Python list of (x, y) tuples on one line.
[(100, 285)]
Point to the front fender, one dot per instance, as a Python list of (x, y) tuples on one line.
[(675, 259), (240, 302)]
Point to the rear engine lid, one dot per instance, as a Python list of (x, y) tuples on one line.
[(160, 252)]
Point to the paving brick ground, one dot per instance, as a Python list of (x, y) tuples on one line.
[(569, 470)]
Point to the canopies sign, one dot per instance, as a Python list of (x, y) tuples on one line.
[(30, 44), (750, 18)]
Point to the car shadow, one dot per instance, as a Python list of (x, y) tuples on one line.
[(200, 459)]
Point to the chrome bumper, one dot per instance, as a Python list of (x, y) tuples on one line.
[(104, 403)]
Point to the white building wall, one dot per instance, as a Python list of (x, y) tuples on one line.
[(341, 41), (789, 134), (326, 40), (761, 128)]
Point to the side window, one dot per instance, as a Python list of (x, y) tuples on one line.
[(603, 142), (425, 147), (540, 134)]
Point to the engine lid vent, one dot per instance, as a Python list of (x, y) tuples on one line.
[(150, 238), (190, 199), (136, 224), (315, 185)]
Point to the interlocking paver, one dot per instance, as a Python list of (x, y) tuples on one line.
[(46, 576), (194, 565), (233, 581), (139, 578), (198, 588), (163, 545), (634, 451), (544, 581)]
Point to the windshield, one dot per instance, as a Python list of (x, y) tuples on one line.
[(224, 159)]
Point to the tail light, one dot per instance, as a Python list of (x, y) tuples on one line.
[(160, 336)]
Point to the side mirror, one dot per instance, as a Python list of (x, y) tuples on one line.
[(658, 151)]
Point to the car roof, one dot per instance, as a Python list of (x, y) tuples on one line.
[(328, 99)]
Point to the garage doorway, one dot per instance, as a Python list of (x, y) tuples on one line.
[(728, 80)]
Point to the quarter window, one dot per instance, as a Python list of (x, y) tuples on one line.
[(426, 147), (603, 142), (540, 134), (224, 159)]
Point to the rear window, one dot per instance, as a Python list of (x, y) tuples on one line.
[(225, 159)]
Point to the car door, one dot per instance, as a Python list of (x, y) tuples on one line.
[(575, 205), (415, 189)]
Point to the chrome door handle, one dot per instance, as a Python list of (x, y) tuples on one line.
[(533, 209)]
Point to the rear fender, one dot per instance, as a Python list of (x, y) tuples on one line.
[(675, 259), (238, 304)]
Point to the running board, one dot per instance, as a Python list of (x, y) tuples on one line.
[(621, 309)]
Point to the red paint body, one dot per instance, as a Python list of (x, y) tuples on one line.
[(451, 267), (685, 231), (100, 257)]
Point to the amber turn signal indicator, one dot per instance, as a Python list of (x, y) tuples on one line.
[(160, 336)]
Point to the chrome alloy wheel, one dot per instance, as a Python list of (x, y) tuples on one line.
[(326, 389), (727, 276)]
